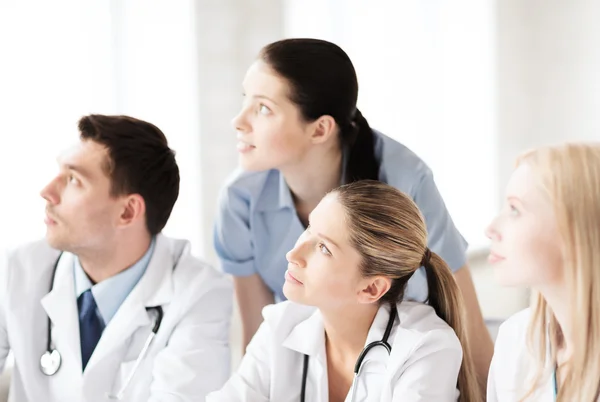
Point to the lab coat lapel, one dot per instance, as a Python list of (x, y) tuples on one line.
[(153, 289), (403, 343), (308, 338), (374, 367), (61, 307)]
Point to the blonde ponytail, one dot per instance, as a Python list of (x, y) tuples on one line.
[(446, 300)]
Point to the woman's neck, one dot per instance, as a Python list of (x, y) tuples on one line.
[(557, 298), (346, 330), (315, 176)]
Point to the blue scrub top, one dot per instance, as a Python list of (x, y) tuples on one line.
[(257, 223)]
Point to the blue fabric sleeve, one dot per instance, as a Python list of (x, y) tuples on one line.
[(232, 237)]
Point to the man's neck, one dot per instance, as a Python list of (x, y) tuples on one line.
[(111, 259)]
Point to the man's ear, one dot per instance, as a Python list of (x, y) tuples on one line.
[(134, 208)]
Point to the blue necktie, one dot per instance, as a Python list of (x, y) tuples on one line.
[(90, 325)]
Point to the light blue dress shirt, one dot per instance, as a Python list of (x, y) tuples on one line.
[(258, 223), (110, 293)]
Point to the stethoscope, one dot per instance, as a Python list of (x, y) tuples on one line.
[(361, 357), (51, 360), (554, 383)]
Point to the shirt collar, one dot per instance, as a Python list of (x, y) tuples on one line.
[(110, 293), (285, 194)]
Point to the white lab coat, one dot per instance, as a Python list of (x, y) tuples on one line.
[(188, 358), (511, 371), (423, 366)]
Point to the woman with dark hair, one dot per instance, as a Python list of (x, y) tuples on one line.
[(300, 135)]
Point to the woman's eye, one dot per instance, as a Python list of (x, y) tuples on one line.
[(264, 110), (324, 249)]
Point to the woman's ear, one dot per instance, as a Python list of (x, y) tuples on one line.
[(324, 128), (374, 289)]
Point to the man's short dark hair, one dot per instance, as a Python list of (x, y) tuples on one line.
[(139, 162)]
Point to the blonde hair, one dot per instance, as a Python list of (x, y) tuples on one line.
[(388, 230), (569, 175)]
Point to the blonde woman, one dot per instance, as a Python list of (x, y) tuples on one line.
[(547, 238), (345, 333)]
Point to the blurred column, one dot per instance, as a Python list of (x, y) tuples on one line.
[(548, 70), (230, 34)]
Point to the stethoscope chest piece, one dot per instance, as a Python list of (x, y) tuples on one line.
[(50, 362)]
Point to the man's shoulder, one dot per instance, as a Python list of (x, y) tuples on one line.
[(193, 273), (27, 268), (35, 257), (32, 252)]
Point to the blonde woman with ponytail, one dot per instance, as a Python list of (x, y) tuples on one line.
[(346, 313), (547, 238)]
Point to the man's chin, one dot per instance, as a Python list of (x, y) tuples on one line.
[(55, 241)]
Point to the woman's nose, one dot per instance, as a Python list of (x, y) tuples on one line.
[(296, 255), (491, 231), (240, 121)]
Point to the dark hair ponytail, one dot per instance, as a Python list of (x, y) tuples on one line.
[(362, 164), (323, 82)]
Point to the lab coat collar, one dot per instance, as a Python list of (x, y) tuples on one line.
[(155, 288), (308, 336), (379, 325), (61, 307), (111, 292), (377, 359), (156, 285)]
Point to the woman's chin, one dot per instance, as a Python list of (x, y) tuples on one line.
[(293, 293)]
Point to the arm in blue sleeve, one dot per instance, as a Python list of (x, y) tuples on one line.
[(232, 236)]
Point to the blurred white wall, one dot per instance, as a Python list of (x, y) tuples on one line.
[(62, 60), (426, 77), (230, 34), (55, 68), (548, 75)]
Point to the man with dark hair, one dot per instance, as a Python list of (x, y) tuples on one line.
[(106, 306)]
